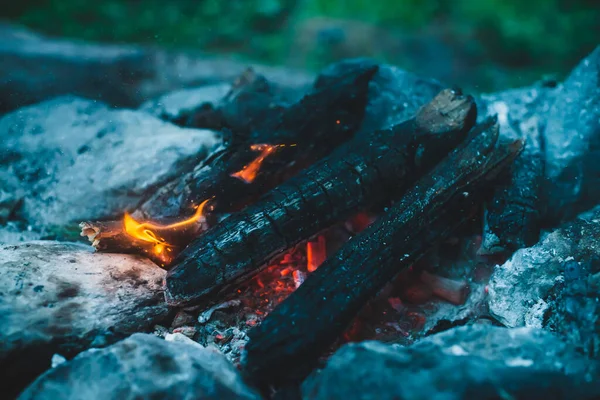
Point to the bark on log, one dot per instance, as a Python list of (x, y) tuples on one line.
[(367, 172), (306, 132), (291, 339)]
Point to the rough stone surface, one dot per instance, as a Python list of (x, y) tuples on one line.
[(11, 233), (70, 159), (62, 298), (554, 284), (478, 361), (394, 94), (518, 109), (142, 367), (36, 67), (572, 147)]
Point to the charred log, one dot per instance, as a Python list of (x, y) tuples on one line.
[(368, 172), (512, 217), (302, 134), (288, 142), (301, 329)]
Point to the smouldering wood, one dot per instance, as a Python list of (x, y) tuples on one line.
[(288, 343), (306, 131), (370, 171)]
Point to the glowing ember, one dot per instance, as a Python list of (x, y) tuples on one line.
[(316, 253), (149, 232), (250, 171)]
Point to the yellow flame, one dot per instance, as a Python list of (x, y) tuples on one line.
[(147, 231), (249, 172)]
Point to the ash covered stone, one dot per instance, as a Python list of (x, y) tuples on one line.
[(141, 367), (572, 141), (476, 361), (62, 298), (554, 284), (71, 159)]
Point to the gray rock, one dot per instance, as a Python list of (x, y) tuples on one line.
[(143, 367), (572, 141), (12, 233), (554, 284), (172, 105), (74, 159), (36, 67), (479, 361), (62, 298), (394, 94)]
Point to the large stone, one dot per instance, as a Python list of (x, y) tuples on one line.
[(62, 298), (572, 141), (143, 367), (554, 284), (36, 67), (479, 361), (71, 159), (394, 94)]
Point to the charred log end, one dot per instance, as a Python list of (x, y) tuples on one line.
[(455, 292), (91, 231), (450, 110), (99, 233)]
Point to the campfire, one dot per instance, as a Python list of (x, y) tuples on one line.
[(301, 232), (292, 247)]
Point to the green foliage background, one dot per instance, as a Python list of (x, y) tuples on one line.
[(527, 38)]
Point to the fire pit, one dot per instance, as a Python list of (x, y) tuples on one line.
[(381, 224)]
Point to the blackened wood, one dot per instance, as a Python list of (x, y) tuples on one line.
[(512, 217), (308, 131), (367, 172), (291, 338)]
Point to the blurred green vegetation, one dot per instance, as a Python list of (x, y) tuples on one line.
[(525, 38)]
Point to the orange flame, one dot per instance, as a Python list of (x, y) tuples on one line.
[(148, 231), (316, 253), (249, 172)]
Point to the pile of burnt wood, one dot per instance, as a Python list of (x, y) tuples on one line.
[(426, 177)]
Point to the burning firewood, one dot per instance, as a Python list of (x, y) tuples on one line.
[(158, 242), (251, 164), (291, 140), (368, 172), (292, 337)]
